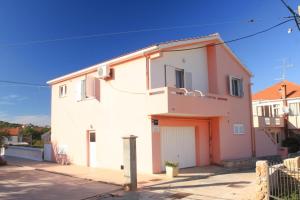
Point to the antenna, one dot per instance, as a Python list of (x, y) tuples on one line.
[(284, 66)]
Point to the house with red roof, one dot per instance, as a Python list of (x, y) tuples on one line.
[(14, 135), (276, 115)]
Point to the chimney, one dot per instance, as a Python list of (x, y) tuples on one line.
[(283, 92)]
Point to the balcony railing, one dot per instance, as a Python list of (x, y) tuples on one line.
[(180, 102), (262, 122)]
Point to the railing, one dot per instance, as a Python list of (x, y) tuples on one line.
[(169, 100), (284, 180), (260, 121)]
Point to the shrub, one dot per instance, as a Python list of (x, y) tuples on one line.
[(171, 164), (292, 144)]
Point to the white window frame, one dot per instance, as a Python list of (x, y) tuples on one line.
[(62, 90), (238, 129), (240, 87)]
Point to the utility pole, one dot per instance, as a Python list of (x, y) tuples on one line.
[(295, 15)]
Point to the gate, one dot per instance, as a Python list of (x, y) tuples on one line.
[(283, 180)]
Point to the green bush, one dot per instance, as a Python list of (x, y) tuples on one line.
[(171, 164), (292, 144)]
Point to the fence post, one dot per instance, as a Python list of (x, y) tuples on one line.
[(129, 156), (262, 180)]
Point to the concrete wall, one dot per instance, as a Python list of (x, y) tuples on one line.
[(121, 111), (194, 63), (25, 152), (233, 146), (264, 145)]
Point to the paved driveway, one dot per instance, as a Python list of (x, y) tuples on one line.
[(27, 183)]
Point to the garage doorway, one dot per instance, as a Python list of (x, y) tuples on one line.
[(178, 145)]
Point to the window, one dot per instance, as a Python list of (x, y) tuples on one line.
[(236, 86), (294, 109), (238, 129), (276, 109), (259, 111), (62, 90), (88, 88), (179, 74)]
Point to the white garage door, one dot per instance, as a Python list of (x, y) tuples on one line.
[(178, 145)]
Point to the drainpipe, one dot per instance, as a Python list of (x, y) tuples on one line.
[(253, 143)]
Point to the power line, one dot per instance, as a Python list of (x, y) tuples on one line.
[(16, 83), (233, 40), (126, 32), (295, 16)]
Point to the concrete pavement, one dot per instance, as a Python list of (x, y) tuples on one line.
[(200, 183), (28, 184)]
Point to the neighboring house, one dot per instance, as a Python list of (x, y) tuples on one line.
[(188, 101), (276, 113), (14, 135), (46, 137)]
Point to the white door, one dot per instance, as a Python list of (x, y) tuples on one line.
[(92, 150), (178, 145)]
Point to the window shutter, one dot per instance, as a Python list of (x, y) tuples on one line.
[(241, 87), (83, 89), (188, 77), (90, 86), (97, 89), (230, 85), (78, 91)]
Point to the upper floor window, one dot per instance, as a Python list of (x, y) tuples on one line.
[(62, 90), (238, 129), (179, 75), (88, 88), (294, 109), (236, 86)]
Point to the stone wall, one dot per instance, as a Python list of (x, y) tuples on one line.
[(262, 182)]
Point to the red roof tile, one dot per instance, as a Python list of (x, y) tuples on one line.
[(273, 93), (12, 131)]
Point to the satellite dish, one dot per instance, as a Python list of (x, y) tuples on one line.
[(285, 110), (290, 30)]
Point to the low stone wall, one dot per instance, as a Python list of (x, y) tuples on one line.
[(25, 152), (246, 163)]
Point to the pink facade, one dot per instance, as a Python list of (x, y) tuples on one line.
[(190, 106)]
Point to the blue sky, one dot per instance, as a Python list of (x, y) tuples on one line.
[(40, 20)]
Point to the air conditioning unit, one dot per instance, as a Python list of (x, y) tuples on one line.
[(103, 71)]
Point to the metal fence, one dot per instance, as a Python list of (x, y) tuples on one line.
[(284, 181)]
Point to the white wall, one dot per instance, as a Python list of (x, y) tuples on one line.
[(121, 111), (194, 63)]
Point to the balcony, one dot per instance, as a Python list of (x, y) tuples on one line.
[(294, 122), (267, 122), (180, 102)]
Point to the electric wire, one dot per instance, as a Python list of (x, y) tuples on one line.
[(233, 40)]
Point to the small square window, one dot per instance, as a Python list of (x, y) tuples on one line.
[(62, 90), (238, 129)]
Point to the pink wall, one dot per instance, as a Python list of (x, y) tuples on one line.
[(233, 146), (201, 127), (264, 145)]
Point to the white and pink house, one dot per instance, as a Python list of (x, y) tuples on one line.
[(187, 101)]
